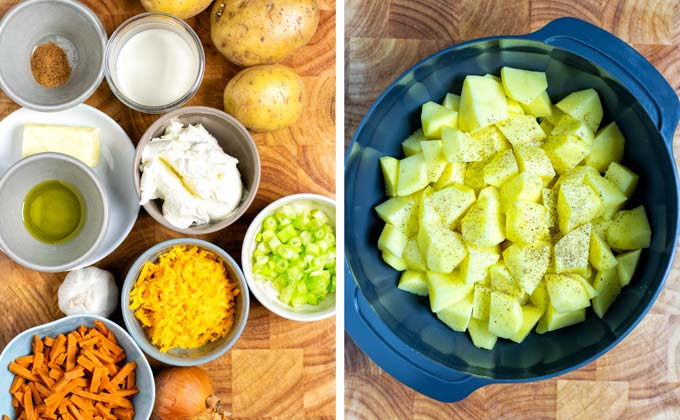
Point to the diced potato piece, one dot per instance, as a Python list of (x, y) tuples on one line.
[(411, 145), (553, 320), (629, 229), (412, 175), (452, 202), (612, 198), (451, 101), (521, 129), (501, 168), (533, 160), (453, 172), (530, 316), (565, 151), (527, 263), (445, 290), (505, 315), (514, 107), (628, 262), (550, 203), (522, 187), (459, 147), (600, 226), (608, 286), (622, 177), (457, 316), (412, 256), (481, 302), (474, 175), (577, 175), (482, 225), (401, 212), (600, 256), (583, 105), (576, 205), (540, 296), (524, 86), (434, 159), (539, 107), (390, 171), (571, 252), (502, 281), (546, 127), (427, 215), (392, 240), (413, 282), (566, 294), (442, 248), (491, 140), (493, 77), (607, 148), (475, 266), (482, 103), (526, 222), (434, 116), (589, 289), (555, 116), (480, 335), (394, 261), (577, 128)]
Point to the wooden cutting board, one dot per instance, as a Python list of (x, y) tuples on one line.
[(279, 368), (638, 379)]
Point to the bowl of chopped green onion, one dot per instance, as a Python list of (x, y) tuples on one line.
[(289, 257)]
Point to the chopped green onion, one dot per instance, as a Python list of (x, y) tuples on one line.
[(287, 233), (269, 223)]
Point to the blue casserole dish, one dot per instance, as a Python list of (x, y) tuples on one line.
[(397, 329)]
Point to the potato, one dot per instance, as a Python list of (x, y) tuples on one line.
[(434, 117), (480, 335), (265, 98), (445, 290), (572, 251), (412, 175), (523, 86), (457, 316), (505, 315), (183, 9), (413, 282), (392, 240), (255, 32), (482, 103), (390, 171), (432, 151), (411, 145), (458, 147), (481, 302), (501, 168)]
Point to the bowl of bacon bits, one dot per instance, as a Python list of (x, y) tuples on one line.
[(77, 367), (185, 302)]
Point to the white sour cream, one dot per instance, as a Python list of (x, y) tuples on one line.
[(190, 172)]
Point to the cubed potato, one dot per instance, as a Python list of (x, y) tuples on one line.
[(629, 229), (553, 320), (572, 251), (474, 175), (539, 107), (480, 335), (434, 116), (600, 226), (445, 290), (483, 223), (521, 129), (451, 101), (412, 175), (481, 302), (522, 187), (394, 261), (501, 168), (577, 175), (413, 282), (576, 206), (505, 315), (526, 222), (452, 202), (611, 196), (453, 172), (589, 289), (476, 264), (607, 148), (482, 103), (565, 151), (401, 212), (457, 316), (534, 161), (622, 177), (442, 248), (390, 171), (392, 240), (628, 262), (493, 77), (583, 105), (546, 127), (502, 281), (491, 140), (413, 257), (549, 201), (411, 145), (600, 255), (566, 294), (527, 263), (427, 215), (514, 107), (530, 316), (608, 286), (540, 296), (434, 159), (524, 86), (575, 127), (459, 147)]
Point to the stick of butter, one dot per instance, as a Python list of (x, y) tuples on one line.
[(80, 142)]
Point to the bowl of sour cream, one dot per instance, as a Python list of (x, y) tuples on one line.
[(196, 170)]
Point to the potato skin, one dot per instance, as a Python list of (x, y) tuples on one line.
[(252, 32), (265, 98), (183, 9)]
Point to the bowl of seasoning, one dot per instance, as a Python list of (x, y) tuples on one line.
[(54, 212), (51, 54), (185, 302), (154, 62)]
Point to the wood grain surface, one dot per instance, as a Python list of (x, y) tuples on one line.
[(640, 378), (279, 368)]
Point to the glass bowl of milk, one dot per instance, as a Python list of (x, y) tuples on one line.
[(154, 62)]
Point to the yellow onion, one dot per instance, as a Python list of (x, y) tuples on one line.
[(181, 393)]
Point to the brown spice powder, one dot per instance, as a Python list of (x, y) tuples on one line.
[(49, 65)]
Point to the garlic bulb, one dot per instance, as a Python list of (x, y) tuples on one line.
[(88, 290)]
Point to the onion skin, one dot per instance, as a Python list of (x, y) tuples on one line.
[(181, 393)]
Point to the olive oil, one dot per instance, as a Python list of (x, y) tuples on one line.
[(54, 211)]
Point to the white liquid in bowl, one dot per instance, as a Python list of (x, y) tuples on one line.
[(156, 67)]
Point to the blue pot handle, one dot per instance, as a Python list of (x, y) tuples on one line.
[(623, 62)]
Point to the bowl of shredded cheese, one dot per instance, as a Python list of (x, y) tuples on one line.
[(185, 302)]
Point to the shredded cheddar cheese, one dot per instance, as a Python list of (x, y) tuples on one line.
[(184, 299)]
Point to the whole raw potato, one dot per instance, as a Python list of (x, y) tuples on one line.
[(252, 32), (183, 9), (265, 98)]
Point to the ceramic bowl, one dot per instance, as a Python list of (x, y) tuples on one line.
[(15, 239), (234, 139), (207, 352), (21, 345), (266, 294), (69, 24)]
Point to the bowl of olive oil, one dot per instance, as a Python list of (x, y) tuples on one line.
[(54, 212)]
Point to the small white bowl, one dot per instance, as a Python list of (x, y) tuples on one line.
[(266, 294)]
